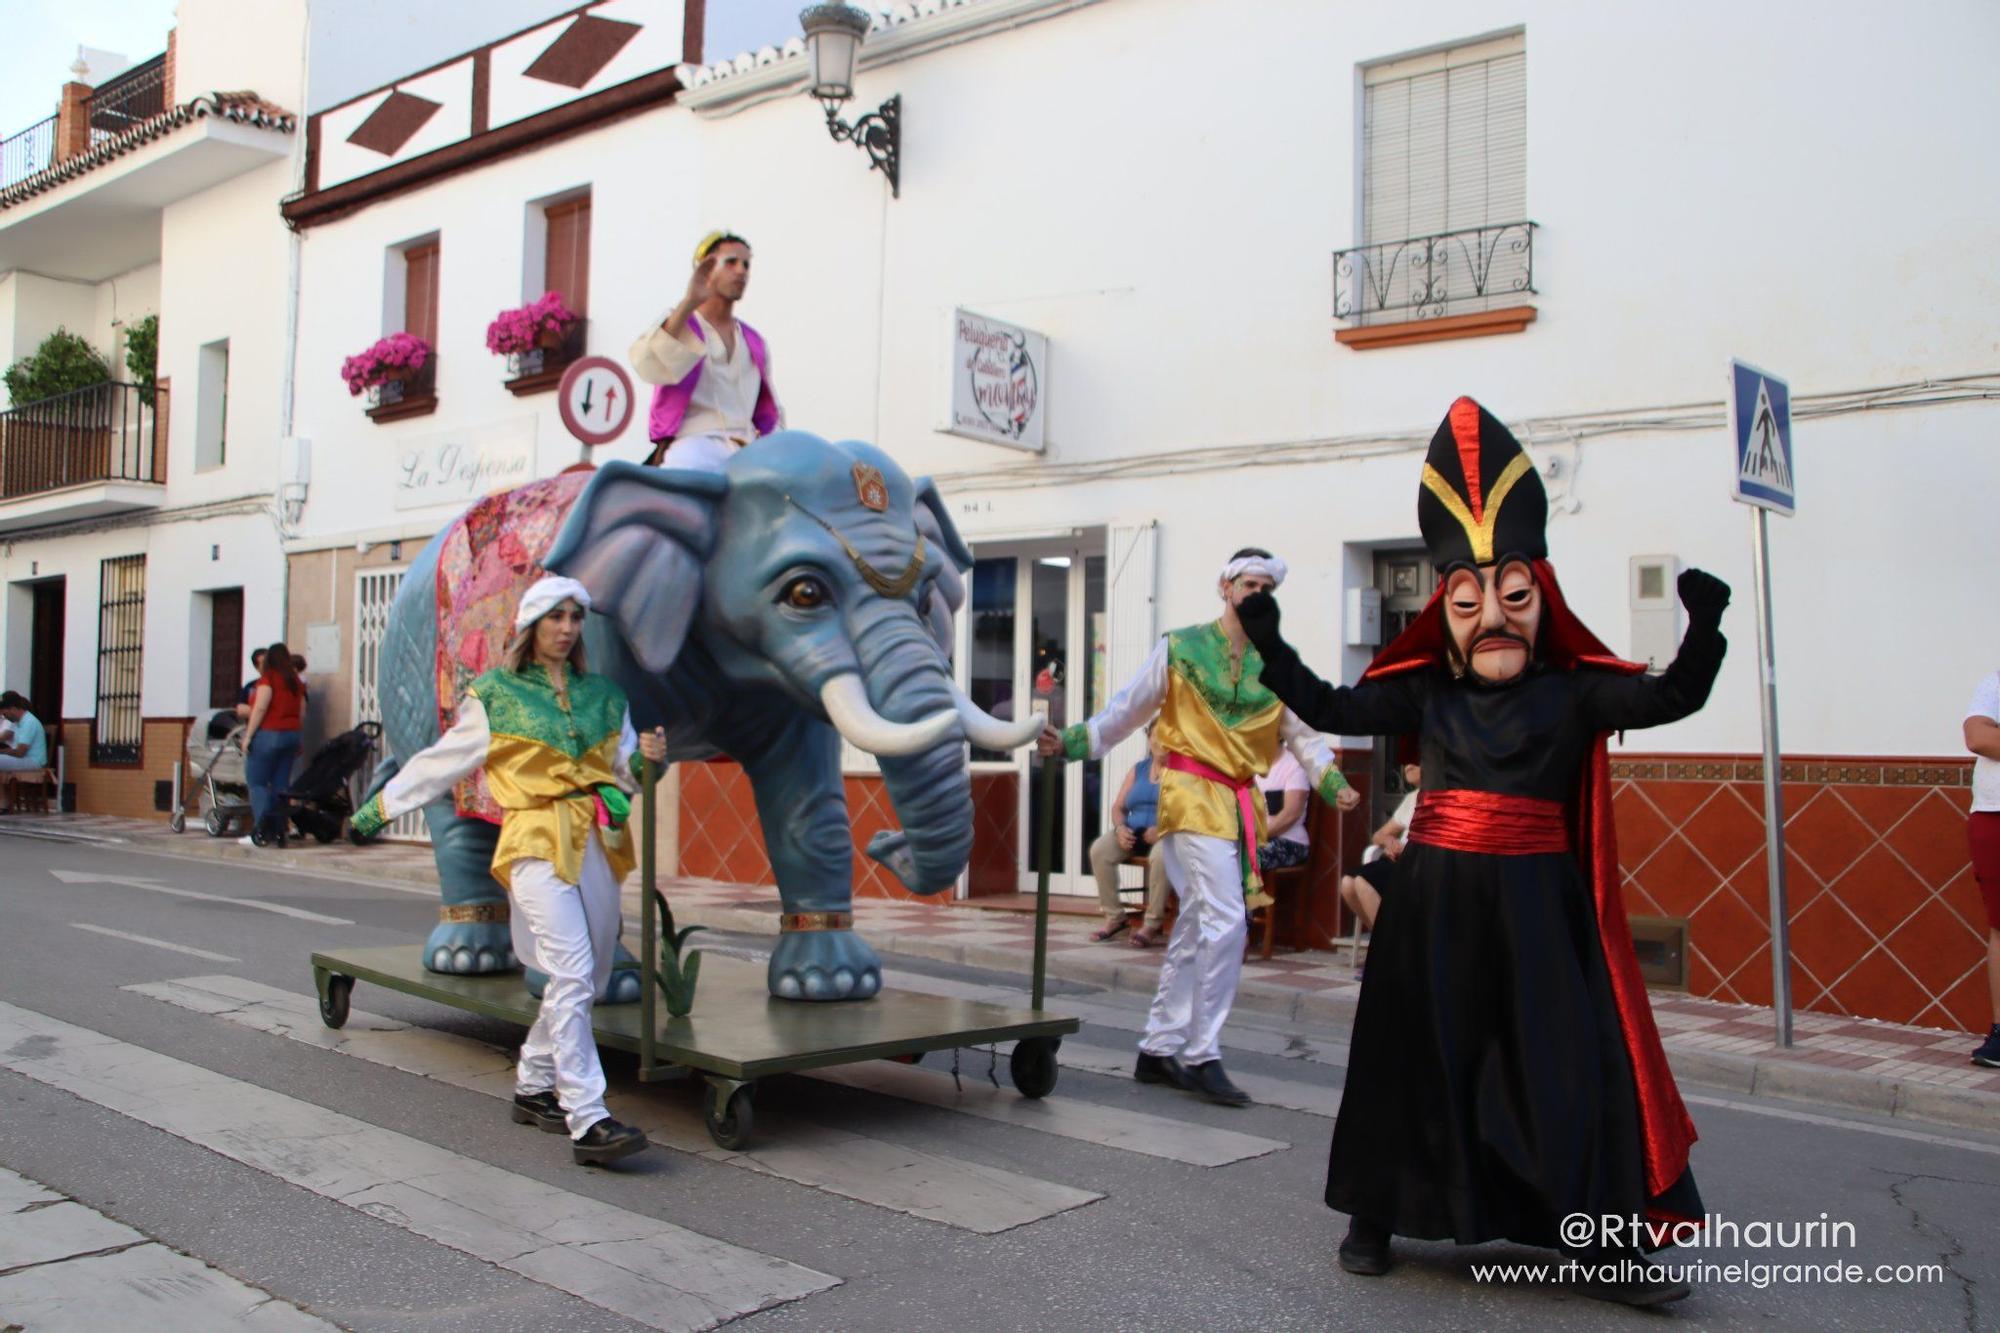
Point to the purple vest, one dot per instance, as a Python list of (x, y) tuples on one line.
[(670, 401)]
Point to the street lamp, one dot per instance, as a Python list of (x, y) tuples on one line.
[(834, 33)]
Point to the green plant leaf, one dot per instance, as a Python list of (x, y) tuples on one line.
[(64, 363)]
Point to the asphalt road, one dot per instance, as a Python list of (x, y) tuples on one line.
[(377, 1184)]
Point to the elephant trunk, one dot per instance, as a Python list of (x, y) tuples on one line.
[(907, 681)]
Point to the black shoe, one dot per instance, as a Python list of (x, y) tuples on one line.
[(1364, 1251), (1989, 1054), (1209, 1080), (1160, 1069), (1630, 1278), (542, 1110), (606, 1141)]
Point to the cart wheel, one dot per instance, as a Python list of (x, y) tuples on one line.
[(1033, 1066), (178, 822), (215, 822), (730, 1129), (333, 1004), (322, 834)]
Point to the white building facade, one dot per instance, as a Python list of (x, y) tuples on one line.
[(1267, 246)]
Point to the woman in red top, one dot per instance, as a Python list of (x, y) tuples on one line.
[(271, 742)]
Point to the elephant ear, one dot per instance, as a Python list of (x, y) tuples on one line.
[(638, 538), (934, 522)]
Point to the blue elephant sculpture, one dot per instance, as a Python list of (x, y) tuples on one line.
[(803, 594)]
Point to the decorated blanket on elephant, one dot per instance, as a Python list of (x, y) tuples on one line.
[(490, 555)]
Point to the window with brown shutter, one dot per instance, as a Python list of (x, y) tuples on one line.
[(420, 291), (567, 264)]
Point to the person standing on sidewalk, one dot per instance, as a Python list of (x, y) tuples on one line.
[(557, 744), (1218, 728), (712, 370), (271, 744), (1506, 1072), (1982, 737)]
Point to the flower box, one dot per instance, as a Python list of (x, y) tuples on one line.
[(538, 339)]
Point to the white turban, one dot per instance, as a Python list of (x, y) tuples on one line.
[(545, 595), (1270, 566)]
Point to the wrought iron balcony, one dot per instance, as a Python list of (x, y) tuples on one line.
[(1429, 277), (30, 151), (130, 100), (105, 433)]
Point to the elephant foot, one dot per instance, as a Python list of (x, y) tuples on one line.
[(469, 948), (891, 849), (824, 965), (622, 988)]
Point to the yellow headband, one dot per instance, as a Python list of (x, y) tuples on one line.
[(707, 244)]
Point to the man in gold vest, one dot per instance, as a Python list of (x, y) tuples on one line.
[(1219, 728)]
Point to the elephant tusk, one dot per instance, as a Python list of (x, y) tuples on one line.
[(989, 732), (847, 707)]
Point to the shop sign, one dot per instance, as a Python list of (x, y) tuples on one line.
[(999, 382)]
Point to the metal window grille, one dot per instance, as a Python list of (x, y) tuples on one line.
[(374, 593), (121, 614)]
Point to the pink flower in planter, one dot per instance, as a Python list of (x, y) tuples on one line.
[(513, 332), (398, 351)]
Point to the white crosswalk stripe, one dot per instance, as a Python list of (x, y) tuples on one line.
[(959, 1194), (652, 1272), (63, 1265)]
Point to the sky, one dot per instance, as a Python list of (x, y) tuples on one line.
[(42, 38)]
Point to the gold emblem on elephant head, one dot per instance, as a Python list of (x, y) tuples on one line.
[(869, 487)]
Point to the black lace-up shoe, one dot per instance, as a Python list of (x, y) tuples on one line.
[(1160, 1069), (1209, 1080), (606, 1141), (1630, 1278), (541, 1110), (1989, 1054), (1365, 1250)]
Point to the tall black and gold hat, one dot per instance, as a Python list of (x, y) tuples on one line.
[(1481, 499)]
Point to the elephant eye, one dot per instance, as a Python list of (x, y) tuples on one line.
[(805, 593)]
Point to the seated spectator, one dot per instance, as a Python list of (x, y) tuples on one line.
[(1364, 890), (1287, 794), (24, 747), (1133, 831)]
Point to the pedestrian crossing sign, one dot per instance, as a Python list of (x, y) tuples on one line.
[(1760, 415)]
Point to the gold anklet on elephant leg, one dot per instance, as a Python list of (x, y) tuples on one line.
[(795, 922), (466, 913)]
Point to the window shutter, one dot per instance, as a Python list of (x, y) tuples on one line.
[(1444, 144), (420, 291), (566, 267)]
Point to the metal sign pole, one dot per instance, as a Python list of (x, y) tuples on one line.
[(1774, 799)]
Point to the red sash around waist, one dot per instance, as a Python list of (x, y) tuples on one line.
[(1245, 790), (1490, 822)]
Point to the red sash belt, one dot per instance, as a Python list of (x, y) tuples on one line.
[(1246, 791), (1486, 821)]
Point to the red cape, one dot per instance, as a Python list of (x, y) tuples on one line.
[(1667, 1131)]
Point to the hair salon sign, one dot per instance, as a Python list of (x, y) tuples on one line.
[(999, 379)]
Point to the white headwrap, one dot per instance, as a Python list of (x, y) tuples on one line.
[(545, 595), (1269, 566)]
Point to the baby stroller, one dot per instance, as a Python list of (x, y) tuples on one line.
[(320, 800), (215, 760)]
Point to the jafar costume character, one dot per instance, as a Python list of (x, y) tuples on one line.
[(1505, 1071)]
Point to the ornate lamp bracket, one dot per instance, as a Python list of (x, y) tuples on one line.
[(879, 134)]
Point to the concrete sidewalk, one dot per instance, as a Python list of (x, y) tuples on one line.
[(1920, 1074)]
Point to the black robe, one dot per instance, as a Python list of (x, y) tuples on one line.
[(1489, 1090)]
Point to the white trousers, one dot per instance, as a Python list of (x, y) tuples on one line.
[(570, 932), (1204, 957), (702, 453)]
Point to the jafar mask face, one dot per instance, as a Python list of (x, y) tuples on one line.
[(1494, 615)]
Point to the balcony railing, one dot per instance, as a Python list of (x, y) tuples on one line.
[(107, 432), (1428, 277), (30, 151), (130, 100)]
